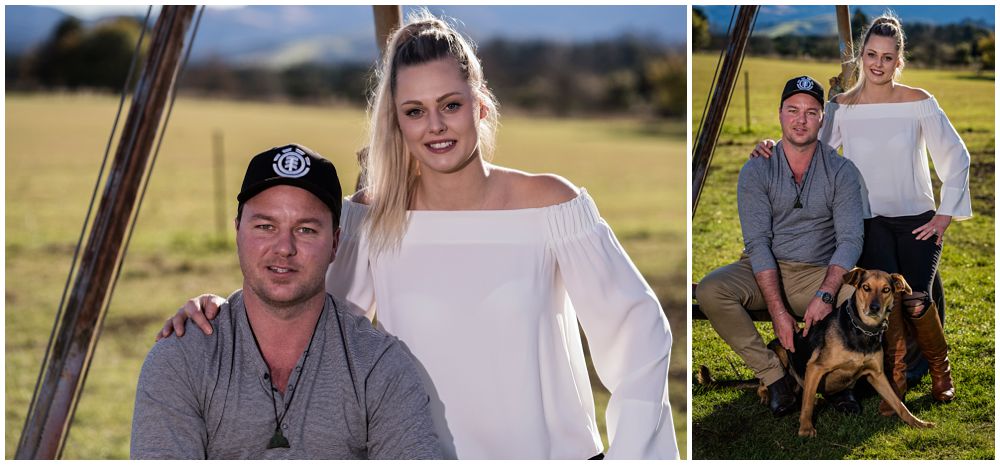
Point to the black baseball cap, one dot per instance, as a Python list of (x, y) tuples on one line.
[(802, 85), (293, 165)]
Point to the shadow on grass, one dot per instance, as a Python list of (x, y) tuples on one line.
[(739, 427), (977, 77)]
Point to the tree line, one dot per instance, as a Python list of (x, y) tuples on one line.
[(964, 44), (624, 75)]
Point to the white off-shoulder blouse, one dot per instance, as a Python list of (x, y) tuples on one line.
[(888, 143), (488, 304)]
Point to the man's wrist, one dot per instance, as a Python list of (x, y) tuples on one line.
[(777, 311)]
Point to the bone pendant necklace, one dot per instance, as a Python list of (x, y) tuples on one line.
[(278, 439), (798, 192)]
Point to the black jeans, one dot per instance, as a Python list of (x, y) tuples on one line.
[(890, 246)]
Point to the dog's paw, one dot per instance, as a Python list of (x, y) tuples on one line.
[(704, 376), (923, 424), (807, 431), (762, 394)]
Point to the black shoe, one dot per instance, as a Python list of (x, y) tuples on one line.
[(844, 402), (783, 400)]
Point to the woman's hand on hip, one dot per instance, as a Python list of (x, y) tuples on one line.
[(935, 227)]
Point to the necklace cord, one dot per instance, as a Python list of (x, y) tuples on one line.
[(277, 420)]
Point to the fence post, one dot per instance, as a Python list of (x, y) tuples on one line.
[(220, 185)]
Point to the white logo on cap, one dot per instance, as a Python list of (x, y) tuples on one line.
[(291, 163), (804, 83)]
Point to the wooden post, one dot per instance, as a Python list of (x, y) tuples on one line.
[(387, 19), (746, 97), (846, 48), (711, 126), (220, 186), (65, 370)]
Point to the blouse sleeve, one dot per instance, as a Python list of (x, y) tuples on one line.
[(349, 276), (951, 161), (829, 133), (626, 329)]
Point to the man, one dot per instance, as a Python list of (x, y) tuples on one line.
[(801, 212), (289, 372)]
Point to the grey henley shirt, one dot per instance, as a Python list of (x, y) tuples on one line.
[(829, 227), (359, 395)]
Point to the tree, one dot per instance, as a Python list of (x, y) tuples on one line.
[(668, 76), (52, 61), (74, 57), (987, 56), (859, 21), (105, 53), (700, 37)]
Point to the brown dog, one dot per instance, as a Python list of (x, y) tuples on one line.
[(847, 345)]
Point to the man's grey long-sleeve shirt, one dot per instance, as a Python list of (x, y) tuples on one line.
[(829, 227), (359, 395)]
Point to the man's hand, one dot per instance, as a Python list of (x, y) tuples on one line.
[(815, 312), (784, 329)]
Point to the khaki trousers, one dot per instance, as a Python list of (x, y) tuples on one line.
[(727, 293)]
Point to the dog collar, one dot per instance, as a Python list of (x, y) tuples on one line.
[(860, 326)]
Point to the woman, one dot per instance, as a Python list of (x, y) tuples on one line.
[(483, 272), (885, 127)]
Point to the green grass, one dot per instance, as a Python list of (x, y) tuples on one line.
[(727, 422), (633, 169)]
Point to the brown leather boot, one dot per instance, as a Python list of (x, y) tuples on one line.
[(894, 350), (930, 337)]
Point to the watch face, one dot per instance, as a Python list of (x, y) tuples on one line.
[(827, 298)]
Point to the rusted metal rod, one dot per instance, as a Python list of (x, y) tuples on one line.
[(49, 417), (711, 126)]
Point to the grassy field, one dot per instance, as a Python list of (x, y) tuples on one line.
[(728, 423), (634, 170)]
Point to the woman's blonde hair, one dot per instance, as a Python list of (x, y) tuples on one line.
[(887, 25), (390, 169)]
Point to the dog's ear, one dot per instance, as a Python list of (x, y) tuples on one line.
[(899, 284), (854, 276)]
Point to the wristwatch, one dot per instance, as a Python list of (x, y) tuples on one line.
[(826, 297)]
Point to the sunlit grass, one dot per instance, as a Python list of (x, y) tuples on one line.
[(727, 423)]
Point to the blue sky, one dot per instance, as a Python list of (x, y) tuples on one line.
[(489, 21)]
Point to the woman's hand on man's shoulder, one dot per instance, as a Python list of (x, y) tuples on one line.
[(360, 197)]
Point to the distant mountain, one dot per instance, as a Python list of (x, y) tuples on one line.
[(776, 20), (283, 35)]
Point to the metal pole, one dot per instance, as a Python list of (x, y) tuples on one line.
[(220, 186), (711, 126), (49, 417), (846, 79)]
